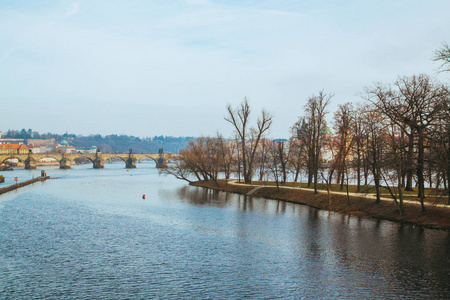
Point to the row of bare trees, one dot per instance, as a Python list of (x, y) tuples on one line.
[(206, 157), (415, 112), (397, 139)]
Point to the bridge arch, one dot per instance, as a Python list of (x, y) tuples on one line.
[(119, 157), (2, 160), (144, 157), (40, 158), (73, 160)]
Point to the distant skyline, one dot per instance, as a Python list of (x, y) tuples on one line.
[(147, 68)]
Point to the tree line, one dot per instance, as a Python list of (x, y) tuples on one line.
[(109, 143), (398, 137)]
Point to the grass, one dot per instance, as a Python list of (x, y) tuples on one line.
[(432, 196)]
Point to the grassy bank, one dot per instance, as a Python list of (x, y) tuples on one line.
[(433, 196), (433, 217)]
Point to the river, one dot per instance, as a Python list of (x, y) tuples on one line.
[(89, 234)]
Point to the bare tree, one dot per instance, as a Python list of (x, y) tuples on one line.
[(443, 55), (359, 138), (414, 107), (440, 146), (303, 134), (297, 157), (274, 163), (201, 158), (261, 159), (315, 114), (344, 119), (283, 151), (374, 127), (327, 173), (178, 168), (395, 144), (226, 151), (249, 137)]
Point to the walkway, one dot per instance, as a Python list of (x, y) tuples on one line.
[(359, 195)]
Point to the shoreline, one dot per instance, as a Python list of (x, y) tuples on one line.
[(434, 217), (22, 184)]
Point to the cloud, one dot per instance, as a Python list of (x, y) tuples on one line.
[(197, 2), (71, 10), (190, 60), (285, 13), (6, 54)]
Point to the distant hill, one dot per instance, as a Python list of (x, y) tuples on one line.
[(123, 143), (110, 143)]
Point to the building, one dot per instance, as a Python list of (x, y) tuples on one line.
[(41, 142), (12, 141), (47, 149), (35, 149), (64, 147), (14, 149), (92, 150)]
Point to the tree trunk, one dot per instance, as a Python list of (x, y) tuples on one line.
[(358, 168), (420, 167), (310, 168), (409, 171), (348, 196), (377, 189), (376, 175), (400, 192), (296, 175), (338, 177), (366, 165), (448, 175), (316, 167)]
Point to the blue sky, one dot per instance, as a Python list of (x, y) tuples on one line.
[(170, 67)]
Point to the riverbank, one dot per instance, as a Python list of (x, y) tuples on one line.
[(22, 184), (435, 217)]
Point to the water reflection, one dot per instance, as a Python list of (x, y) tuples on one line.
[(360, 253), (90, 234), (202, 196)]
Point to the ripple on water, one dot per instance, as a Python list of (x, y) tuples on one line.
[(90, 235)]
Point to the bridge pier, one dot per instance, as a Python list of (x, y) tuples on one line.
[(65, 164), (99, 163), (161, 163), (131, 163), (30, 163)]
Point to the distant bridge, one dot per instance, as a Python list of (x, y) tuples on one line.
[(98, 159)]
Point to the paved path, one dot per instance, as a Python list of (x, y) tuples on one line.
[(360, 195)]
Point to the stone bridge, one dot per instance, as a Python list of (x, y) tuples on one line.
[(98, 159)]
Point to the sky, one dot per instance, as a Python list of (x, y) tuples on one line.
[(171, 67)]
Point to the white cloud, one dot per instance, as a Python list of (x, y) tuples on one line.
[(285, 13), (73, 8), (7, 53), (191, 61), (197, 2)]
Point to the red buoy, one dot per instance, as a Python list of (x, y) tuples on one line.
[(143, 196)]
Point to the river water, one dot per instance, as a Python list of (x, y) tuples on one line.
[(88, 234)]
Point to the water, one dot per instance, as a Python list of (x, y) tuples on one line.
[(88, 234)]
